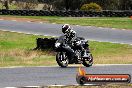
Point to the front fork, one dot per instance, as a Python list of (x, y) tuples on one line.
[(86, 54)]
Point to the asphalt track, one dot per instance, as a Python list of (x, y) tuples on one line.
[(88, 32), (43, 76)]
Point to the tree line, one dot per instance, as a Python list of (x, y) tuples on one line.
[(105, 4), (76, 4)]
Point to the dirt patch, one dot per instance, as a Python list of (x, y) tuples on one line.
[(23, 19)]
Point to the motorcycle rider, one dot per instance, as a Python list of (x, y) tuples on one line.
[(72, 40), (69, 33), (70, 36)]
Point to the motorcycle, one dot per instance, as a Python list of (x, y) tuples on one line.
[(79, 48)]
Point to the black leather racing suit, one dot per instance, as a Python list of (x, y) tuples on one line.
[(70, 36)]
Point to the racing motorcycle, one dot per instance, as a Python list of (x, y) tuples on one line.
[(79, 48)]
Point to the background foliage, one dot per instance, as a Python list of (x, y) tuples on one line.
[(71, 4), (91, 7)]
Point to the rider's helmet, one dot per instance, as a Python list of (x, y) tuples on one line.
[(65, 27)]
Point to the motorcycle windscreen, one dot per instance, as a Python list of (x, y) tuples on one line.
[(61, 39)]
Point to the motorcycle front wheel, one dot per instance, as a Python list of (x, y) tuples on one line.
[(62, 59), (88, 61)]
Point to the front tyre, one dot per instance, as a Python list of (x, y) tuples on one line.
[(62, 59), (88, 61)]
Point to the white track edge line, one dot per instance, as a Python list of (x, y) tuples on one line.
[(13, 20), (55, 85), (10, 87), (69, 66)]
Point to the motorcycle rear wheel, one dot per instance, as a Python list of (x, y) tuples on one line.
[(62, 59)]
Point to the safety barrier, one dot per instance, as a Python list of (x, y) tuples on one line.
[(67, 13)]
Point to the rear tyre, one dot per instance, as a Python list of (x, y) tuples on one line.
[(88, 61), (62, 59)]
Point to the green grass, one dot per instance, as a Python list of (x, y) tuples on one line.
[(112, 22), (109, 53), (16, 50), (101, 86)]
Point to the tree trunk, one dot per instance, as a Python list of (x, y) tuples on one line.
[(67, 4), (6, 5)]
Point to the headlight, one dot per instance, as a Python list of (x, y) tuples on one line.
[(57, 45)]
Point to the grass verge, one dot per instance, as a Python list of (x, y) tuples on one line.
[(16, 50), (102, 86), (112, 22)]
